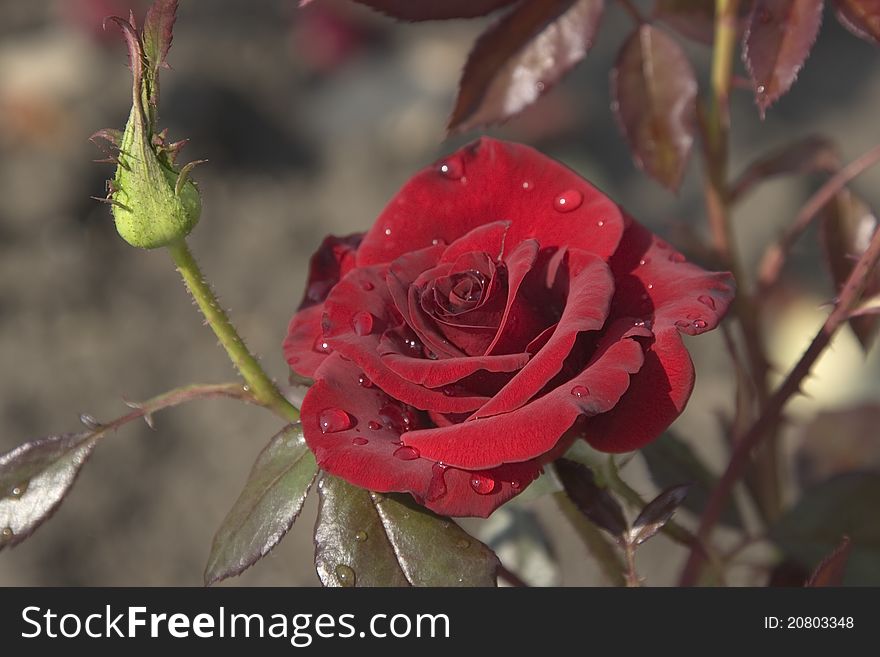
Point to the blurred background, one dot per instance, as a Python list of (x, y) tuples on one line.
[(311, 120)]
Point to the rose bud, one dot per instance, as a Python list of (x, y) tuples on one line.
[(500, 308)]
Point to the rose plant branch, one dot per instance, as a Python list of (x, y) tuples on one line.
[(771, 414), (776, 254), (764, 484), (264, 390)]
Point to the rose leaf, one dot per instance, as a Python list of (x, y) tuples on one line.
[(594, 502), (832, 568), (654, 99), (372, 539), (34, 479), (695, 19), (842, 506), (671, 460), (777, 41), (657, 513), (270, 502), (847, 225), (432, 10), (861, 17), (522, 56)]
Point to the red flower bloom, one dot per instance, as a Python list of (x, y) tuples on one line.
[(499, 308)]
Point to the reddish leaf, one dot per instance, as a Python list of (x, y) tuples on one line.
[(654, 90), (594, 502), (157, 32), (861, 17), (431, 10), (808, 155), (695, 19), (846, 230), (657, 513), (832, 568), (778, 39), (522, 56)]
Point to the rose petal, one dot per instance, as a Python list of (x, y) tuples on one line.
[(655, 282), (303, 335), (491, 181), (373, 464), (656, 396), (515, 323), (333, 260), (443, 372), (532, 430), (363, 291), (590, 289)]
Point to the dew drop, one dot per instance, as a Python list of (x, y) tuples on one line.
[(359, 441), (700, 324), (528, 185), (435, 242), (362, 323), (482, 485), (600, 223), (406, 453), (345, 575), (453, 168), (361, 536), (760, 89), (89, 421), (462, 544), (580, 392), (396, 418), (333, 420), (321, 346), (19, 489), (568, 201), (375, 426), (515, 485), (387, 232), (707, 301), (676, 257), (644, 261), (437, 485), (650, 286), (364, 381), (7, 533), (367, 286), (643, 323)]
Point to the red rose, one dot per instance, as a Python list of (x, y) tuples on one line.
[(499, 308)]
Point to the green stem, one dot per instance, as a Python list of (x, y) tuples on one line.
[(263, 389)]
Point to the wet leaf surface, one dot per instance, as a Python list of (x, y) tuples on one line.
[(370, 539)]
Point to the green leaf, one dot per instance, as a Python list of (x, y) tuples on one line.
[(34, 479), (672, 461), (596, 503), (267, 507), (369, 539), (657, 513), (843, 506)]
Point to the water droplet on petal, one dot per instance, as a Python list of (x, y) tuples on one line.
[(650, 286), (580, 392), (345, 575), (406, 453), (453, 168), (387, 232), (437, 485), (482, 484), (700, 324), (676, 257), (568, 201), (367, 286), (375, 426), (600, 223), (707, 301), (361, 536), (396, 418), (462, 544), (435, 242), (528, 185), (515, 485), (364, 381), (359, 441), (644, 261), (643, 323), (760, 89), (333, 420), (321, 346), (362, 323)]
